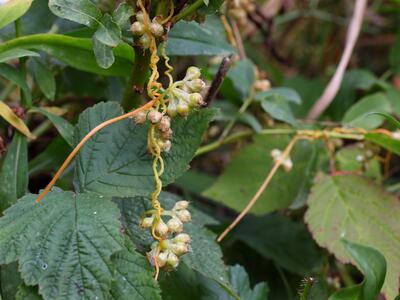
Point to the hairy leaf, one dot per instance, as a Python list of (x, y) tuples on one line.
[(116, 162), (74, 51), (245, 173), (63, 244), (360, 211), (12, 10)]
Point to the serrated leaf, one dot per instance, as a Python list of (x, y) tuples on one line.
[(14, 172), (206, 256), (122, 14), (133, 277), (65, 128), (16, 77), (241, 284), (12, 10), (359, 114), (191, 38), (16, 53), (63, 244), (44, 78), (80, 11), (108, 32), (103, 53), (276, 237), (7, 114), (76, 52), (360, 211), (373, 266), (116, 161), (245, 173)]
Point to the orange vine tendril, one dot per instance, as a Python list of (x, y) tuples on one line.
[(262, 188), (84, 140)]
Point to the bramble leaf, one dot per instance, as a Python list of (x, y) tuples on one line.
[(116, 162), (63, 244), (358, 210)]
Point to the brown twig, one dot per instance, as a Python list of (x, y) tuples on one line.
[(219, 78), (84, 140), (334, 85), (262, 188), (238, 39)]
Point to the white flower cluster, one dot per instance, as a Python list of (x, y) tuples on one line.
[(287, 163), (138, 29), (185, 94), (167, 251)]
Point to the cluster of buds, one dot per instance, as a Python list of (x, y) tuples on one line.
[(287, 163), (174, 243), (239, 9), (261, 84), (138, 28), (163, 125), (185, 95)]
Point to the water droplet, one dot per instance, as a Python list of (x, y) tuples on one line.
[(101, 196), (45, 266), (95, 213), (96, 298), (123, 278)]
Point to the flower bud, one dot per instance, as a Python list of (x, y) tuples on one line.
[(183, 204), (161, 228), (166, 147), (172, 108), (140, 16), (137, 28), (154, 116), (195, 85), (182, 109), (165, 123), (182, 238), (276, 153), (140, 117), (157, 29), (195, 99), (167, 135), (262, 85), (192, 73), (162, 259), (172, 260), (184, 215), (287, 165), (147, 222), (180, 249), (175, 225), (144, 41)]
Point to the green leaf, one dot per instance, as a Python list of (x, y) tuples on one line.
[(205, 257), (116, 161), (384, 141), (10, 280), (241, 284), (108, 33), (287, 94), (104, 54), (76, 52), (279, 109), (44, 78), (394, 57), (373, 266), (357, 160), (359, 114), (16, 77), (191, 38), (65, 128), (212, 6), (12, 10), (133, 276), (392, 120), (360, 211), (80, 11), (63, 244), (14, 172), (27, 293), (276, 237), (16, 53), (242, 76), (122, 14), (245, 173)]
